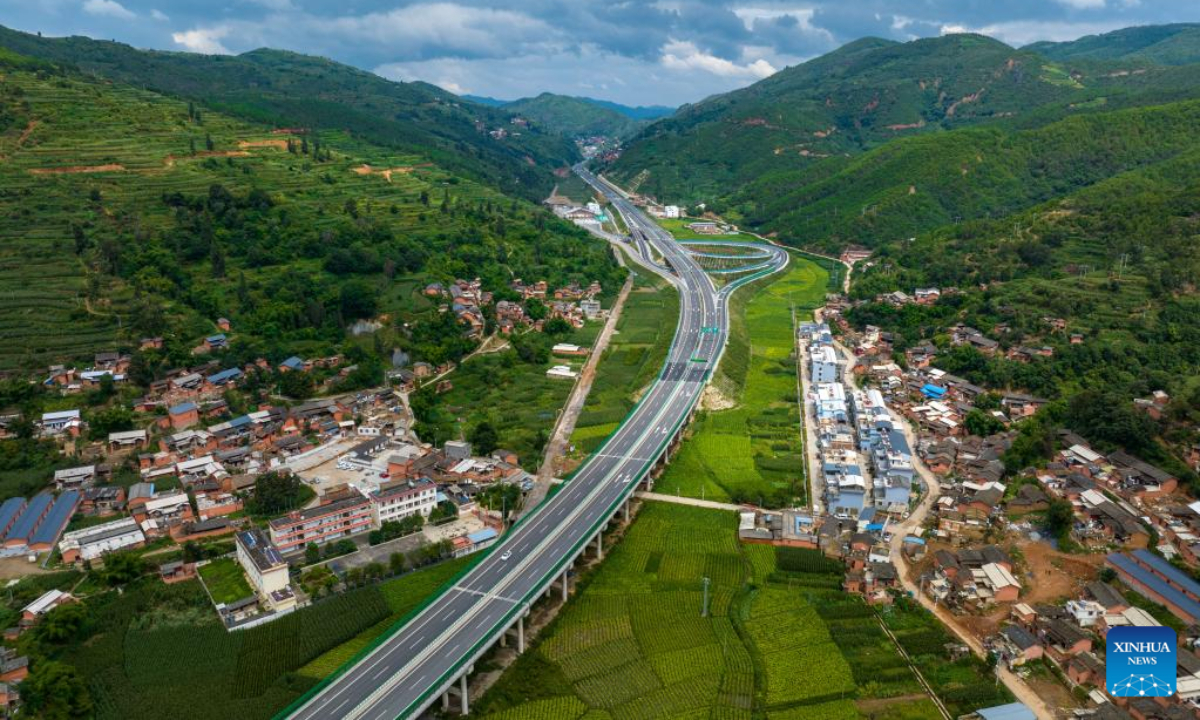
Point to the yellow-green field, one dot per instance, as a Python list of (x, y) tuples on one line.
[(752, 451)]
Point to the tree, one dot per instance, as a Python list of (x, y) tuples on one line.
[(122, 568), (357, 300), (1060, 518), (208, 142), (276, 492), (296, 384), (557, 326), (982, 424), (62, 623), (312, 554), (484, 438), (55, 691)]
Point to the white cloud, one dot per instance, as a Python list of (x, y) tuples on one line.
[(159, 15), (1022, 32), (1082, 4), (107, 8), (677, 55), (203, 40)]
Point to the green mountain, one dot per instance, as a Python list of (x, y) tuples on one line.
[(126, 213), (289, 89), (572, 117), (637, 112), (1177, 44), (807, 121), (913, 185)]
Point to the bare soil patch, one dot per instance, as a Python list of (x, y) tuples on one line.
[(72, 169)]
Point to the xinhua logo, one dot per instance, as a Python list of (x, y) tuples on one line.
[(1140, 662)]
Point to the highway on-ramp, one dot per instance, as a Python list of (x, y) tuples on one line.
[(407, 672)]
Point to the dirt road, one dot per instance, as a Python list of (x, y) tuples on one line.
[(561, 437)]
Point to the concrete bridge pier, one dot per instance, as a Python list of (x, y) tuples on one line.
[(518, 629), (461, 691), (600, 545), (565, 582)]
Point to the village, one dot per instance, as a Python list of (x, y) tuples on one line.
[(281, 503), (1031, 566)]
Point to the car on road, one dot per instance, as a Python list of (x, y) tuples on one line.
[(507, 554)]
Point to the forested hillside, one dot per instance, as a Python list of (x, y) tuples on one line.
[(573, 117), (1176, 44), (913, 185), (288, 89), (807, 122), (128, 214)]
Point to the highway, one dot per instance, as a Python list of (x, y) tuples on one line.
[(408, 672)]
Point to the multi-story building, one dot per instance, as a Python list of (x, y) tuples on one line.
[(341, 515), (400, 499), (824, 364), (264, 566)]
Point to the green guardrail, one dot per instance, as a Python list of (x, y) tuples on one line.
[(482, 555)]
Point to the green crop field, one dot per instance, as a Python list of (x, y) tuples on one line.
[(225, 582), (633, 643), (752, 451), (633, 358)]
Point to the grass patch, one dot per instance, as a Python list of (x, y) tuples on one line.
[(225, 581)]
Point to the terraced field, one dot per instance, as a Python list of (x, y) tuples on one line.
[(86, 168), (752, 450)]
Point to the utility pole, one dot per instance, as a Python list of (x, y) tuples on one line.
[(704, 609)]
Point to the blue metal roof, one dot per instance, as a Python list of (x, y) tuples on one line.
[(224, 376), (29, 519), (240, 420), (482, 535), (1012, 711), (182, 408), (293, 363), (57, 519), (1141, 574), (9, 511), (219, 337), (933, 391)]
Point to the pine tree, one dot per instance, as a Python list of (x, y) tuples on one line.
[(208, 143), (304, 145), (192, 146)]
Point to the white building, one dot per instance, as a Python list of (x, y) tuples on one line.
[(561, 372), (92, 542), (824, 364), (397, 500), (671, 212), (264, 566)]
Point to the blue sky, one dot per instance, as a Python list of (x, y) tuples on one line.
[(632, 51)]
